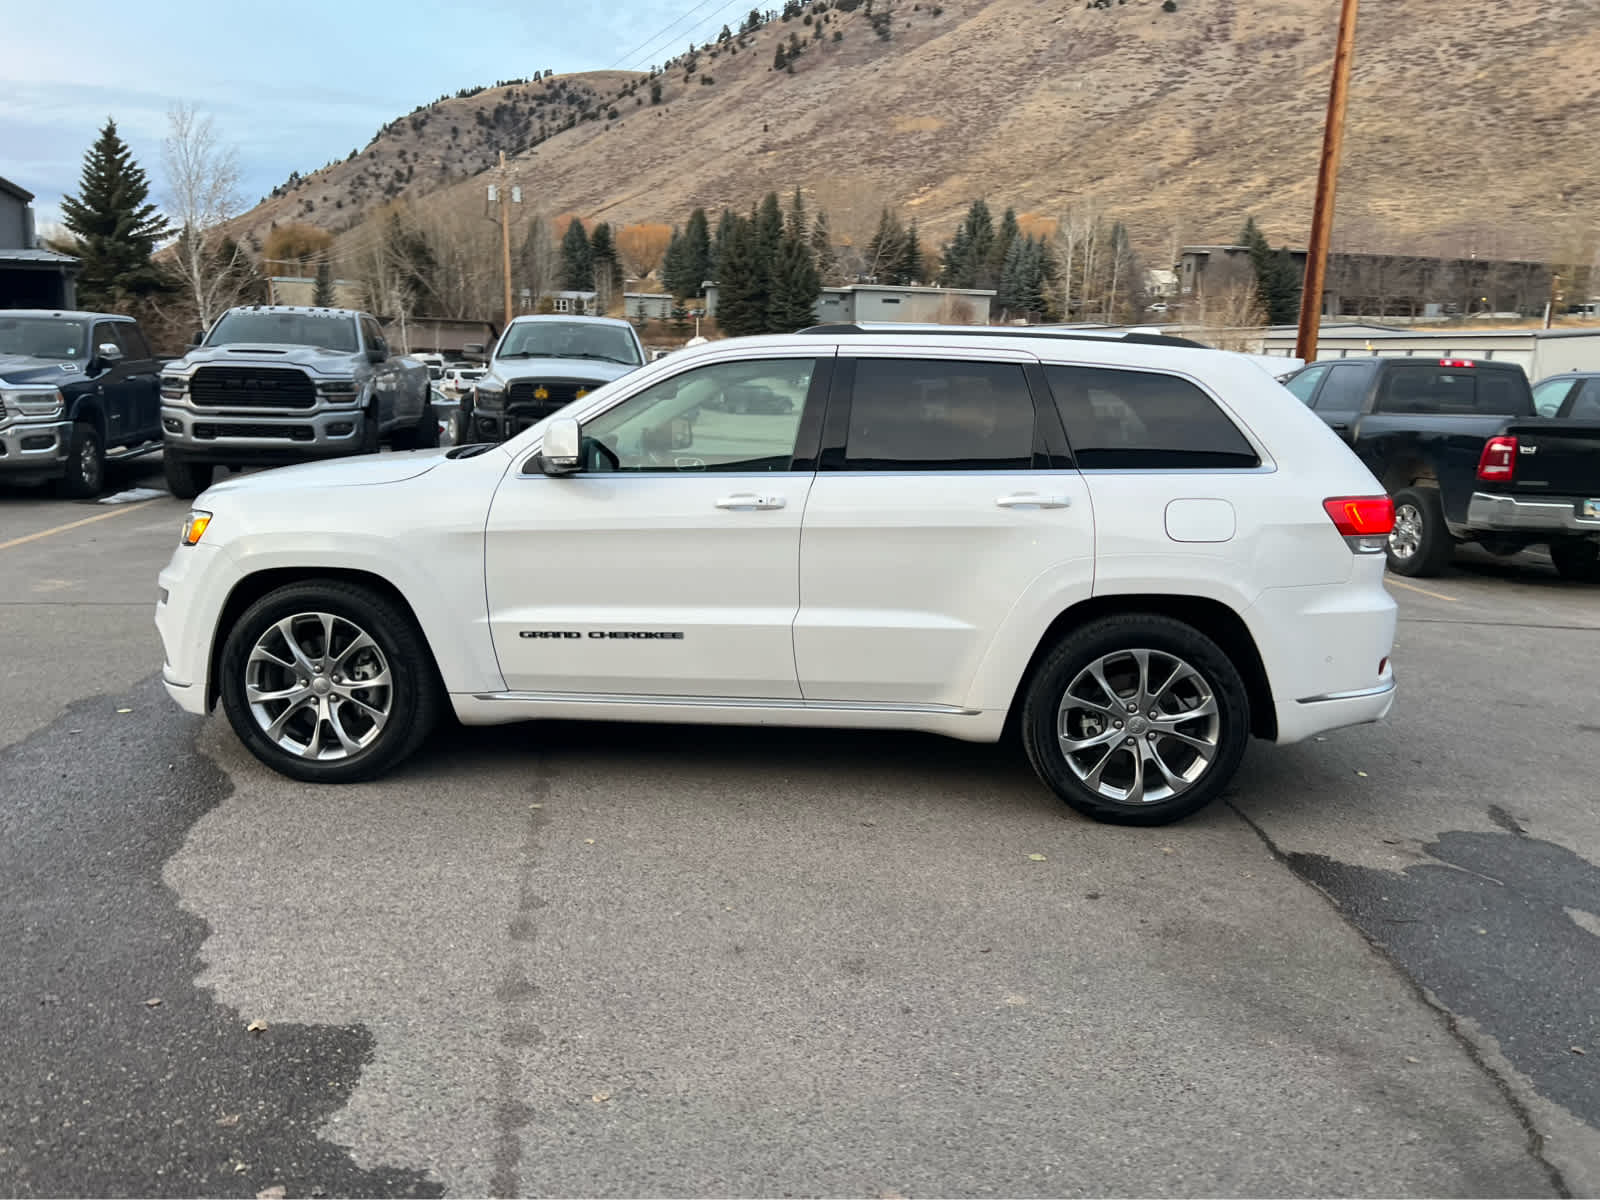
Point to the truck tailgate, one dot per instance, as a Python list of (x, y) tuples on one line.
[(1556, 458)]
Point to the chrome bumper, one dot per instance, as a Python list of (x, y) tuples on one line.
[(34, 445), (1507, 514), (303, 434)]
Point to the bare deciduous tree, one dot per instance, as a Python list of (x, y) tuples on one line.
[(202, 178)]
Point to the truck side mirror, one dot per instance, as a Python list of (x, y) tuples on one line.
[(473, 351), (108, 354), (377, 353), (199, 336)]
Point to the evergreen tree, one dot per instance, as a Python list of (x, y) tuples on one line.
[(795, 283), (1008, 287), (116, 227), (1003, 239), (577, 259), (741, 282), (322, 297), (1277, 281), (1030, 278), (603, 252), (979, 228), (908, 267), (886, 247), (768, 221), (697, 252), (956, 254), (822, 248), (795, 223), (725, 226), (675, 270)]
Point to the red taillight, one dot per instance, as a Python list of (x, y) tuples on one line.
[(1457, 362), (1498, 463), (1362, 516)]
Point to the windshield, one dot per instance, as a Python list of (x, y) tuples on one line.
[(569, 339), (41, 337), (330, 331)]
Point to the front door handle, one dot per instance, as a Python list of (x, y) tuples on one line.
[(1031, 500), (749, 501)]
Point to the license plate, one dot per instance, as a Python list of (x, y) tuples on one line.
[(1591, 509)]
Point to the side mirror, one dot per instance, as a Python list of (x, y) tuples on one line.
[(377, 353), (108, 353), (473, 351), (199, 336), (562, 446)]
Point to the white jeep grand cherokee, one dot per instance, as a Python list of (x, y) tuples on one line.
[(1138, 550)]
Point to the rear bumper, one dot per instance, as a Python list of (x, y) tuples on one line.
[(1547, 515), (34, 447)]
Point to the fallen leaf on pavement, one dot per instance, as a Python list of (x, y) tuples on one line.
[(1579, 1050), (272, 1193), (601, 1097), (1363, 774), (1409, 1059), (239, 1168), (124, 710), (1037, 858), (229, 1121), (153, 1002), (588, 841), (256, 1026)]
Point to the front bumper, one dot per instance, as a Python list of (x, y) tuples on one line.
[(236, 437), (34, 447), (1547, 515), (192, 590)]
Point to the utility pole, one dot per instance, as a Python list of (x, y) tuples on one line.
[(507, 194), (1555, 298), (1327, 180)]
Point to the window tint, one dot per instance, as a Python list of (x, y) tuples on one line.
[(331, 331), (1346, 389), (1586, 406), (1432, 388), (1550, 395), (1304, 384), (1138, 419), (131, 340), (737, 416), (939, 415)]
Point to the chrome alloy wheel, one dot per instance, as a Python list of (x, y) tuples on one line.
[(318, 686), (1139, 726), (89, 463), (1406, 537)]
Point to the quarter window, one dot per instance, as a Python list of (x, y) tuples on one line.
[(939, 415), (1304, 385), (1586, 404), (1346, 389), (1130, 420), (1549, 396), (735, 416)]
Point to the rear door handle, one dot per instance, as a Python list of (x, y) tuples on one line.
[(1030, 500), (748, 501)]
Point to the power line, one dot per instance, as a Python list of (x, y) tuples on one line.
[(635, 55)]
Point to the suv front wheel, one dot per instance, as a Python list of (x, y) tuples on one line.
[(1136, 720), (328, 682)]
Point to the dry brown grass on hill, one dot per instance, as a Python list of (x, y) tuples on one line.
[(1181, 123)]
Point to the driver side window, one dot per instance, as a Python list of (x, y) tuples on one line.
[(732, 416)]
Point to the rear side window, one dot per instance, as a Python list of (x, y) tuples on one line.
[(1304, 385), (1346, 389), (1435, 388), (939, 415), (1131, 420)]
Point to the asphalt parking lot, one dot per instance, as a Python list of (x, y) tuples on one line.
[(615, 960)]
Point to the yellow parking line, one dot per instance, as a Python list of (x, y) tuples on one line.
[(1391, 581), (105, 516)]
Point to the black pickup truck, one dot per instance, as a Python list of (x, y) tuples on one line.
[(77, 389), (1460, 447)]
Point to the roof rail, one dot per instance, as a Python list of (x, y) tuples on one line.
[(1137, 339)]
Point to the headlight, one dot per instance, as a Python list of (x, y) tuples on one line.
[(33, 402), (173, 386), (195, 527), (339, 389), (488, 395)]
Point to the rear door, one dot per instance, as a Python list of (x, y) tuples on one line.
[(941, 498)]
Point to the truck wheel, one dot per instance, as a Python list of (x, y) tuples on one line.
[(1576, 560), (328, 682), (370, 434), (427, 435), (86, 463), (186, 479), (1136, 720), (1420, 544)]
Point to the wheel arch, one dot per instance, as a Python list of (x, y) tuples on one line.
[(88, 411), (1211, 617), (259, 583)]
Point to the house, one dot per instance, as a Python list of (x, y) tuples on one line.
[(648, 306), (576, 303), (883, 302), (302, 290), (30, 277)]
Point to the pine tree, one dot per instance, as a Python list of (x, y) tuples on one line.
[(675, 270), (794, 225), (908, 267), (1009, 285), (979, 227), (886, 247), (323, 296), (1277, 280), (603, 252), (725, 225), (1003, 238), (822, 248), (768, 221), (1030, 278), (741, 282), (956, 254), (577, 259), (795, 284), (116, 227), (697, 252)]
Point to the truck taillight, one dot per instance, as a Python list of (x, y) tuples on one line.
[(1365, 522), (1498, 462), (1457, 362)]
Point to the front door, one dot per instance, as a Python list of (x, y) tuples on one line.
[(111, 387), (668, 566), (941, 501)]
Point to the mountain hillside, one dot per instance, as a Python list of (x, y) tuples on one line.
[(1470, 127)]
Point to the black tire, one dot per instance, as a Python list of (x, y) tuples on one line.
[(371, 435), (460, 428), (415, 693), (427, 435), (186, 479), (1577, 560), (85, 474), (1114, 638), (1427, 550)]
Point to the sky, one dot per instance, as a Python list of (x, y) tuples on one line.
[(290, 84)]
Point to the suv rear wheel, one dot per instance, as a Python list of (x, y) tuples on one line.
[(328, 682), (1136, 720)]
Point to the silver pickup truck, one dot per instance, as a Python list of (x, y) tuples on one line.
[(271, 385)]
